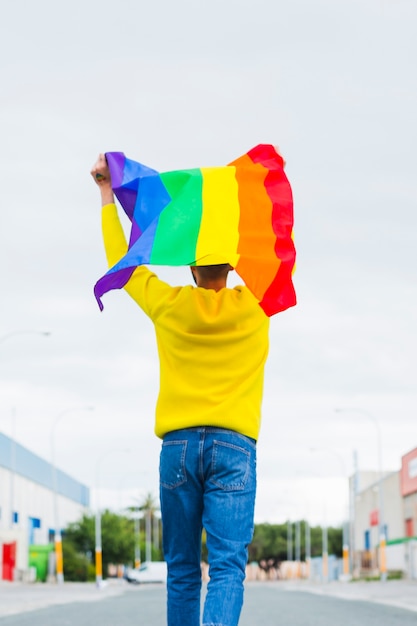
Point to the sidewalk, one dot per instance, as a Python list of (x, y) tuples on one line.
[(17, 597), (398, 593)]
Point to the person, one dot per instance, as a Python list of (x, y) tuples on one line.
[(212, 343)]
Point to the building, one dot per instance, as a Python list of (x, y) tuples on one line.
[(409, 491), (395, 515), (29, 505)]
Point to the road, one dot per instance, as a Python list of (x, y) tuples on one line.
[(268, 604)]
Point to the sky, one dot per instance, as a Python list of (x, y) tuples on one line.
[(196, 83)]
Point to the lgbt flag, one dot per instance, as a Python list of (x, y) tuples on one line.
[(240, 214)]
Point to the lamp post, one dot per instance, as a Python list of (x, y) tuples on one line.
[(57, 528), (325, 551), (98, 546), (289, 541), (148, 532), (156, 520), (308, 549), (381, 520), (137, 519), (298, 548), (325, 559), (345, 540)]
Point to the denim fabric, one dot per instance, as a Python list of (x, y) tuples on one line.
[(207, 479)]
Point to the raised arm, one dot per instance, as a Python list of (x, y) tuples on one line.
[(144, 286), (114, 238)]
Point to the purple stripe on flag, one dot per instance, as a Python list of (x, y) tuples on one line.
[(116, 163), (126, 178), (135, 233), (112, 280)]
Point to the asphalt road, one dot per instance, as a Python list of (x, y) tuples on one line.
[(266, 604)]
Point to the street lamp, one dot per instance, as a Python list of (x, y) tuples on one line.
[(147, 516), (148, 533), (57, 528), (156, 522), (98, 547), (345, 540), (137, 518), (325, 559), (298, 548), (289, 541), (325, 549), (308, 549), (382, 536)]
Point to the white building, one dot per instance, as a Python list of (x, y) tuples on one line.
[(27, 496), (395, 514)]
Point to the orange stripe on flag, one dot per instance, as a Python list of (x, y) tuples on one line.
[(258, 261)]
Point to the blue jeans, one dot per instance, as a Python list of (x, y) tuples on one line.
[(207, 479)]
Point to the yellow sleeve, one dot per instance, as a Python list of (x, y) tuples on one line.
[(114, 238), (144, 286)]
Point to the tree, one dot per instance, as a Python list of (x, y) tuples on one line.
[(117, 538), (77, 566), (270, 542), (335, 541)]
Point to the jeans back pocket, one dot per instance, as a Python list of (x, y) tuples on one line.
[(230, 466), (172, 464)]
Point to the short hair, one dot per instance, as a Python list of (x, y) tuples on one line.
[(213, 272)]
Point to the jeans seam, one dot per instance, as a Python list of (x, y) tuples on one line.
[(212, 430), (201, 455)]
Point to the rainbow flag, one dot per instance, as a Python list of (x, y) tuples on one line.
[(240, 214)]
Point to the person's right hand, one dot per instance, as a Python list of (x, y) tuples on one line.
[(100, 171), (101, 174)]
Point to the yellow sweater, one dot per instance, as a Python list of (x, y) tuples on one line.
[(212, 347)]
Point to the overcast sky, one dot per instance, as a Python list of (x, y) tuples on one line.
[(190, 83)]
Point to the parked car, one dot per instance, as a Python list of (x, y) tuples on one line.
[(148, 572)]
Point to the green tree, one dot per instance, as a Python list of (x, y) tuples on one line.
[(316, 533), (270, 541), (335, 541), (117, 538), (77, 566)]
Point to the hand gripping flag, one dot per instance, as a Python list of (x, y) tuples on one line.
[(240, 214)]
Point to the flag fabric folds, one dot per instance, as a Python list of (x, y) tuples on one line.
[(240, 214)]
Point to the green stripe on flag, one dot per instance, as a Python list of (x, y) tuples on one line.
[(179, 223)]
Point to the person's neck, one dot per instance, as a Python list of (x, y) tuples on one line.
[(217, 285)]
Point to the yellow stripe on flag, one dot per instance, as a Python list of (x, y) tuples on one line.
[(219, 235)]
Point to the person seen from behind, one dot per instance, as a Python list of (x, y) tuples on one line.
[(212, 345)]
